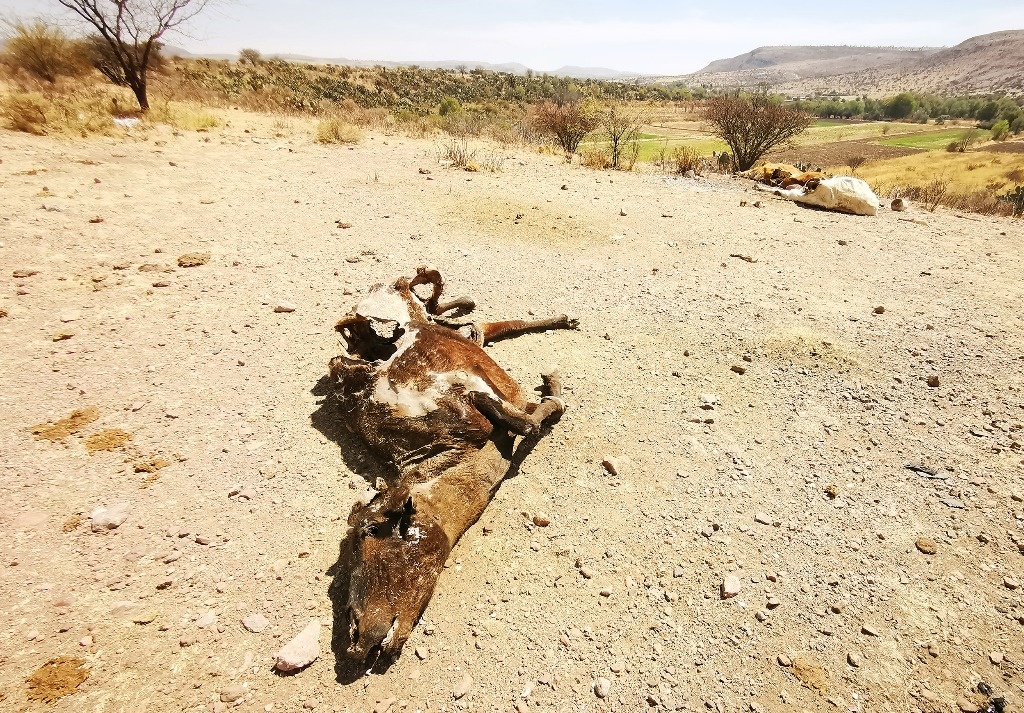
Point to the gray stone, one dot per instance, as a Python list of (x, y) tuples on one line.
[(256, 623)]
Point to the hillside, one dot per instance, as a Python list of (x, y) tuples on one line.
[(984, 63), (777, 65), (509, 67)]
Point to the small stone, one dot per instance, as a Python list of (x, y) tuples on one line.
[(996, 658), (421, 653), (300, 651), (966, 705), (284, 307), (85, 641), (193, 259), (71, 315), (206, 620), (463, 688), (869, 630), (854, 659), (172, 557), (898, 204), (879, 309), (933, 381), (383, 706), (234, 692), (926, 545), (145, 617), (762, 518), (601, 687), (678, 572), (618, 667), (731, 586), (256, 623), (738, 369), (605, 593), (541, 520), (1010, 583), (586, 573), (612, 465), (110, 517), (25, 272), (773, 603)]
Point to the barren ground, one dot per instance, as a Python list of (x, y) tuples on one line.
[(813, 438)]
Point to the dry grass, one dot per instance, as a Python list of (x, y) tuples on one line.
[(595, 158), (967, 172), (336, 130), (78, 113)]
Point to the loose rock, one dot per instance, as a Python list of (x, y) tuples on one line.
[(256, 623), (926, 546), (601, 687), (300, 651), (110, 517), (284, 307), (463, 688), (731, 586)]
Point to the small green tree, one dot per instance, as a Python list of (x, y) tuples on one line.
[(1000, 130), (900, 106)]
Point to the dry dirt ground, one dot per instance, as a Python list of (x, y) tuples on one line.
[(789, 477)]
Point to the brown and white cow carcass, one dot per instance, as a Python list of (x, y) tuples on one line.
[(419, 390)]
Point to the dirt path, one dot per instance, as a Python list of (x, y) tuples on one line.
[(198, 368)]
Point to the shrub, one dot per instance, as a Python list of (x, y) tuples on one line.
[(753, 125), (963, 143), (569, 122), (1016, 200), (449, 105), (25, 112), (920, 116), (1017, 125), (458, 154), (686, 158), (44, 52), (855, 162), (336, 130), (725, 162), (1000, 130), (595, 158)]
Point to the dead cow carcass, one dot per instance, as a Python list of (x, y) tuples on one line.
[(442, 416)]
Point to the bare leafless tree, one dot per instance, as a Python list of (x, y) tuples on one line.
[(753, 125), (128, 32)]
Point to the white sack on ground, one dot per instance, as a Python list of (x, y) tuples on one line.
[(842, 193)]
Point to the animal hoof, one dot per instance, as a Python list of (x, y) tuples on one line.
[(571, 323)]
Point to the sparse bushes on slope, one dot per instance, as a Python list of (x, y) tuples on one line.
[(1014, 199), (964, 142)]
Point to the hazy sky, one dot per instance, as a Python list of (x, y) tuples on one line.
[(651, 36)]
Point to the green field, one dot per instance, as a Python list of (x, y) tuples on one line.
[(932, 140)]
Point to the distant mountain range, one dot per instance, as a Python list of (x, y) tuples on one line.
[(509, 67), (992, 62)]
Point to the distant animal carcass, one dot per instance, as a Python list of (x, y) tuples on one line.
[(419, 390)]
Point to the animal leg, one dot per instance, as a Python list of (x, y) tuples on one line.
[(494, 331), (524, 422), (430, 276)]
